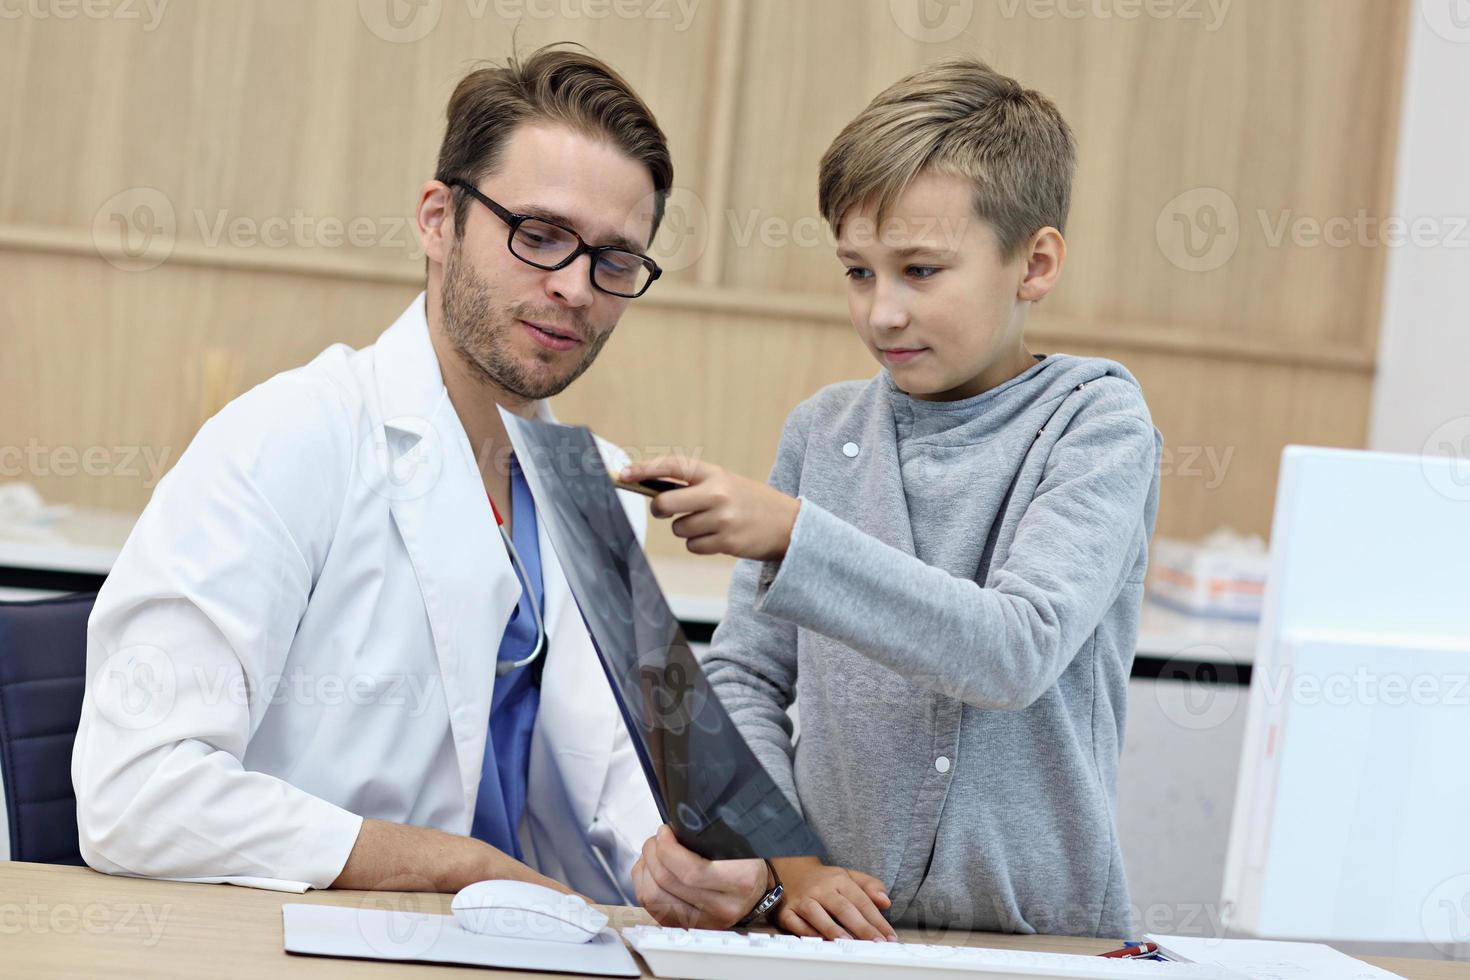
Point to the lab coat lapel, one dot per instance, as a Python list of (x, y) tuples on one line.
[(422, 461)]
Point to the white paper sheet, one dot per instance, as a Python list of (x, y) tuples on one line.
[(384, 934), (1262, 959)]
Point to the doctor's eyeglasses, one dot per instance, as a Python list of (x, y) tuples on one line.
[(550, 246)]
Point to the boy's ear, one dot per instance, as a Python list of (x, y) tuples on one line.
[(1045, 253)]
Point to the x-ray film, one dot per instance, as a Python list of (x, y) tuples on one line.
[(708, 784)]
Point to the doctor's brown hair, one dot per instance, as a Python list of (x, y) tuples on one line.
[(962, 118), (553, 85)]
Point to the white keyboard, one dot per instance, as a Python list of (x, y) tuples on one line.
[(703, 954)]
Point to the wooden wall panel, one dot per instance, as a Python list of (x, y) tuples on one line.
[(708, 383), (261, 109), (131, 364), (270, 108), (1286, 107)]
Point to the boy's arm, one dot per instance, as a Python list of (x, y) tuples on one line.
[(996, 647), (680, 888), (752, 667)]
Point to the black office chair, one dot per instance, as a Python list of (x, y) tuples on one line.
[(43, 663)]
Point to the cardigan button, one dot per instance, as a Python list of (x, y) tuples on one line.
[(850, 450)]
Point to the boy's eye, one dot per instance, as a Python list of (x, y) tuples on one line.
[(922, 271), (857, 272)]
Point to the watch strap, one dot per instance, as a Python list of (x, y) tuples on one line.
[(769, 900)]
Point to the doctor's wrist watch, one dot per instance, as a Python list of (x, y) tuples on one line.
[(768, 901)]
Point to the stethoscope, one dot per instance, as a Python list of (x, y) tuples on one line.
[(503, 667), (649, 488)]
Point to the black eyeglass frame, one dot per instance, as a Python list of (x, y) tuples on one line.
[(514, 221)]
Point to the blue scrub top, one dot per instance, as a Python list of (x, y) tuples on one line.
[(503, 775)]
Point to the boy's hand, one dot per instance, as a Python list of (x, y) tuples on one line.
[(680, 888), (831, 902), (723, 513)]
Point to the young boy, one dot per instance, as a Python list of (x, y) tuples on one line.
[(949, 556)]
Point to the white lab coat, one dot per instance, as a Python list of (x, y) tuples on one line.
[(301, 631)]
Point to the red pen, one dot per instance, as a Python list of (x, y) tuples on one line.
[(1134, 951)]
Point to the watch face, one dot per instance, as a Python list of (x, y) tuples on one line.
[(707, 782)]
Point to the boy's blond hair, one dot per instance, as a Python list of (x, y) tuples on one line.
[(958, 117)]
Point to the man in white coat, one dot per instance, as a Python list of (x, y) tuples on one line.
[(315, 663)]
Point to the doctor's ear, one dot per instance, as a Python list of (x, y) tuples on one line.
[(436, 220)]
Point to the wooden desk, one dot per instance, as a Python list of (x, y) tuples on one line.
[(66, 922)]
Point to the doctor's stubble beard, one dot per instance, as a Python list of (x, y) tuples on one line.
[(480, 330)]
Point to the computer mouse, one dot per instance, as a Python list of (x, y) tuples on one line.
[(522, 910)]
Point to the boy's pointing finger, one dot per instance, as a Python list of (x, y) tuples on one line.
[(671, 466)]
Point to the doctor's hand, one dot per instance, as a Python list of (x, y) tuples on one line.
[(723, 512), (680, 888)]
